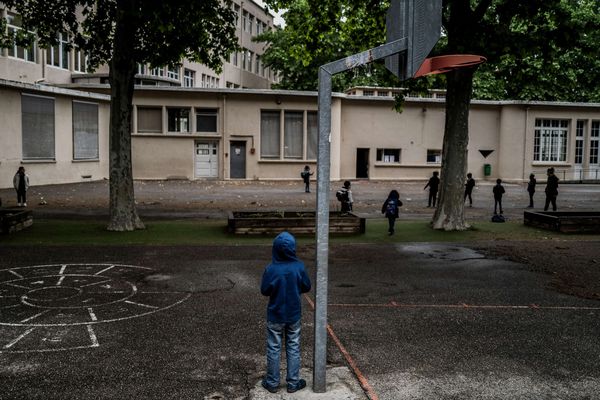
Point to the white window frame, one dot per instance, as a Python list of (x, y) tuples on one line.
[(594, 156), (173, 72), (437, 154), (58, 53), (189, 77), (551, 138), (388, 155), (29, 53)]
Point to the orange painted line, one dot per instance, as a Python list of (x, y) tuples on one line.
[(393, 304), (362, 380)]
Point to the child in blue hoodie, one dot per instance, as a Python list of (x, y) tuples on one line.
[(284, 280)]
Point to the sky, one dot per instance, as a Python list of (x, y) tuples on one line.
[(278, 20)]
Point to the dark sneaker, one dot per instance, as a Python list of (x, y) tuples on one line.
[(301, 385), (271, 388)]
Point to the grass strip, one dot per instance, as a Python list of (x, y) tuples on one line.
[(213, 232)]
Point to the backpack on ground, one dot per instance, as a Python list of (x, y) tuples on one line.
[(498, 218)]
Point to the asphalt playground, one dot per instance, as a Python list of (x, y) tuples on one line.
[(408, 321)]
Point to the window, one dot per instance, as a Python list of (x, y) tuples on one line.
[(80, 61), (85, 131), (245, 21), (189, 78), (173, 73), (236, 11), (142, 69), (269, 134), (14, 27), (434, 156), (368, 93), (37, 114), (579, 132), (250, 22), (257, 66), (59, 54), (206, 120), (178, 119), (312, 135), (157, 71), (293, 134), (250, 57), (550, 140), (388, 155), (259, 26), (149, 120), (234, 58), (382, 93), (594, 139), (244, 58)]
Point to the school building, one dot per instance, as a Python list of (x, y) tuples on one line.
[(61, 135)]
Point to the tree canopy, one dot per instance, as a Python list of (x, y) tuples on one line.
[(535, 50)]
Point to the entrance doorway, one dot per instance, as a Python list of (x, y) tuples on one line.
[(362, 163), (206, 163), (237, 160)]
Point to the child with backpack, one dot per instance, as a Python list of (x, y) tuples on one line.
[(344, 196), (390, 209), (306, 174)]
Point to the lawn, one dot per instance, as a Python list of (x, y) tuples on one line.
[(204, 232)]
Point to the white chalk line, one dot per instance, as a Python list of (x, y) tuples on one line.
[(394, 304), (92, 315), (62, 277), (140, 304), (93, 336), (34, 316), (95, 283), (17, 286), (62, 269), (104, 270), (18, 338), (15, 274)]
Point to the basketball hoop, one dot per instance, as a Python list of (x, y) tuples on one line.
[(443, 64)]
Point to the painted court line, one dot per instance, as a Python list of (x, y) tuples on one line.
[(16, 340), (362, 380), (34, 317), (15, 274), (104, 270), (18, 286), (140, 304), (62, 269), (96, 283), (93, 337), (62, 277), (92, 315)]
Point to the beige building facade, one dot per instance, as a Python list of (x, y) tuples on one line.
[(58, 65), (252, 134)]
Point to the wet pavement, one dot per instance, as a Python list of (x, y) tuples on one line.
[(418, 321)]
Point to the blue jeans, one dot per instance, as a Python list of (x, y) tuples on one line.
[(275, 333)]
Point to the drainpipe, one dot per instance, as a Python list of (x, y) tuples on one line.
[(525, 140)]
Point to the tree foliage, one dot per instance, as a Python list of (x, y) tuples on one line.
[(124, 33), (536, 50)]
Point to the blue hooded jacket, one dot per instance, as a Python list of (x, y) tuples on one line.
[(284, 280)]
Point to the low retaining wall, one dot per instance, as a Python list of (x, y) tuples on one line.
[(295, 222), (564, 221), (14, 219)]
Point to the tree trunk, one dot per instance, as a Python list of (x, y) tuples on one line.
[(449, 214), (123, 213)]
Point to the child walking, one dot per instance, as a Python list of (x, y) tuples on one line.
[(21, 184), (390, 209), (469, 188), (498, 192), (306, 174), (284, 280)]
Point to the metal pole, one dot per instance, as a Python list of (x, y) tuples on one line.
[(323, 176), (323, 173)]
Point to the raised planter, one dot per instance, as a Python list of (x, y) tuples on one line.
[(295, 222), (14, 219), (564, 221)]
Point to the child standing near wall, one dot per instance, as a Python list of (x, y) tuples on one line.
[(306, 174), (498, 192)]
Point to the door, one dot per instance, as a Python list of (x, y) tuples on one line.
[(206, 163), (237, 160), (362, 163)]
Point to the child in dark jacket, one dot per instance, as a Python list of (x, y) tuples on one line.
[(498, 192), (390, 209), (432, 184), (305, 175), (284, 280)]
